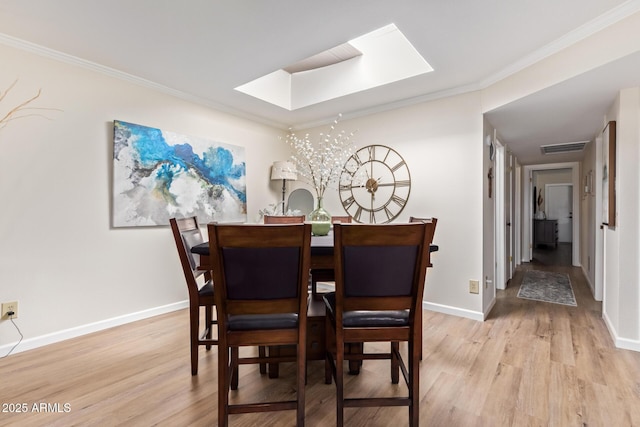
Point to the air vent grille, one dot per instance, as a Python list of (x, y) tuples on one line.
[(569, 147)]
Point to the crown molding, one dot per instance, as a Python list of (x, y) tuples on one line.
[(586, 30), (139, 81)]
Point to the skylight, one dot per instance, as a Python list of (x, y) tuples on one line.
[(378, 58)]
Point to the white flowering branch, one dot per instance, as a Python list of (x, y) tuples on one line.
[(320, 162)]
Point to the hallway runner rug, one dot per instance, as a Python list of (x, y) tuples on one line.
[(548, 287)]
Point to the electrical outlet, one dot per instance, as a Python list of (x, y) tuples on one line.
[(474, 287), (7, 307)]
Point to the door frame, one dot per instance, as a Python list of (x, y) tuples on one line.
[(510, 227), (499, 224), (527, 213)]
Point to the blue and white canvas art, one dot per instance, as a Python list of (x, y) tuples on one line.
[(158, 175)]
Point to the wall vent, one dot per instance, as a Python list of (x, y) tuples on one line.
[(568, 147)]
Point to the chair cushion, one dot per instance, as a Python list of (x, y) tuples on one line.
[(243, 322), (206, 290), (201, 249), (359, 319)]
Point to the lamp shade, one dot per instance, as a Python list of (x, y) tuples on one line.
[(284, 170)]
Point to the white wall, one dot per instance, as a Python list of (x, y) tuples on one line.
[(488, 288), (589, 227), (442, 143), (621, 304), (59, 258)]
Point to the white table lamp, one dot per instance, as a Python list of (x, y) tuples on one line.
[(286, 171)]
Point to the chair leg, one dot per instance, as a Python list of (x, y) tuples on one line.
[(339, 384), (235, 368), (223, 383), (395, 363), (414, 385), (327, 368), (274, 368), (420, 328), (209, 320), (194, 326), (354, 348), (262, 352), (302, 379), (328, 343)]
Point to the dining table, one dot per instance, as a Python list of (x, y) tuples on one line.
[(321, 253), (321, 260)]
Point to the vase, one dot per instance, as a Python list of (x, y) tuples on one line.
[(320, 220)]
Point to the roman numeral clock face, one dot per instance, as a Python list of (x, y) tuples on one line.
[(375, 184)]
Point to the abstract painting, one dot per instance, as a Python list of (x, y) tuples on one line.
[(158, 175)]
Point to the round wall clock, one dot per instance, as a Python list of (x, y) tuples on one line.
[(375, 184)]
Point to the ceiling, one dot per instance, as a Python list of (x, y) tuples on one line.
[(203, 49)]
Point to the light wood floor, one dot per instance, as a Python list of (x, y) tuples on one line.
[(529, 364)]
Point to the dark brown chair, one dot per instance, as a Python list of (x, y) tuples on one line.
[(261, 275), (275, 219), (186, 234), (427, 220), (275, 350), (380, 275)]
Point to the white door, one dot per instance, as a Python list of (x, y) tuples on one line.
[(559, 206)]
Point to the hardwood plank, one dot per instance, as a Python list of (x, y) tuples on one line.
[(565, 403), (534, 385), (505, 386)]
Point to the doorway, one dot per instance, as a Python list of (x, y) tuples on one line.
[(536, 206), (556, 208)]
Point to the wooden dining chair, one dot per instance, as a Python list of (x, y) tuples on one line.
[(261, 275), (421, 219), (186, 234), (380, 275), (279, 219)]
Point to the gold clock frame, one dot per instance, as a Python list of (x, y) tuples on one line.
[(357, 191)]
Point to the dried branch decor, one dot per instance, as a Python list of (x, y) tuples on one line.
[(23, 109), (320, 161)]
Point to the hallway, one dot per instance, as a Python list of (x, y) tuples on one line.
[(559, 362)]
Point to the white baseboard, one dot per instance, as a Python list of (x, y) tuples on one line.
[(36, 342), (455, 311), (486, 313), (585, 274), (623, 343)]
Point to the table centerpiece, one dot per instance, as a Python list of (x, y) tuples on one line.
[(320, 162)]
